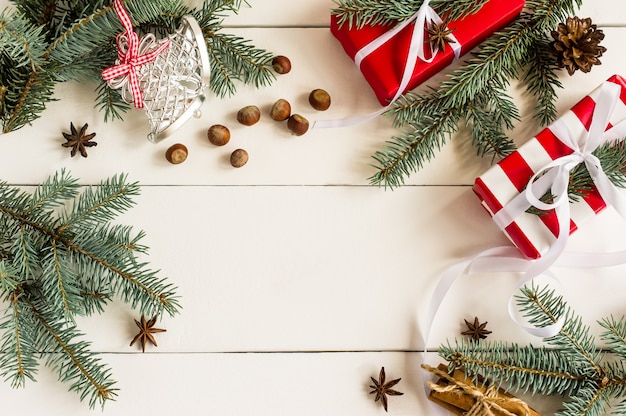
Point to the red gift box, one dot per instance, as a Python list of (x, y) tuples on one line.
[(383, 68), (534, 234)]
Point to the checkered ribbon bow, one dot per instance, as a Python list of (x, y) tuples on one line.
[(128, 55)]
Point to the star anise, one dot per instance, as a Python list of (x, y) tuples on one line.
[(146, 329), (476, 330), (383, 389), (439, 35), (78, 140)]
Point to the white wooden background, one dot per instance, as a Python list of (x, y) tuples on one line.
[(298, 279)]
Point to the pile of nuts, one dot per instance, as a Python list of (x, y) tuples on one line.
[(219, 135)]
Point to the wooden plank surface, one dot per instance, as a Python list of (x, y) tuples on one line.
[(298, 279)]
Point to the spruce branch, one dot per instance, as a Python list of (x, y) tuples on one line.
[(17, 362), (93, 32), (408, 152), (48, 41), (70, 357), (110, 101), (571, 364), (235, 59), (517, 52), (25, 81), (358, 13), (541, 81), (60, 256)]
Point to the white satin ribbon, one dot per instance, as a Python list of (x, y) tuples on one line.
[(554, 176), (421, 19), (495, 260)]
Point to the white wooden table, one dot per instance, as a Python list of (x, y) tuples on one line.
[(298, 279)]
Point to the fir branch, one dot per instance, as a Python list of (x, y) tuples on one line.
[(543, 308), (64, 41), (22, 42), (53, 192), (358, 13), (93, 301), (61, 257), (110, 101), (572, 365), (80, 233), (132, 281), (17, 358), (24, 254), (537, 370), (405, 154), (59, 287), (9, 278), (614, 335), (502, 57), (71, 357), (234, 58), (26, 99), (93, 31), (486, 116), (100, 204), (215, 7), (541, 80), (25, 77), (38, 12)]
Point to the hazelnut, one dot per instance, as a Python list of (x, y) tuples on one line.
[(281, 110), (218, 135), (319, 99), (298, 124), (281, 64), (249, 115), (177, 153), (238, 158)]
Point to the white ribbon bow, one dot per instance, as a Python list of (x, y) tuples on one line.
[(554, 177), (424, 17)]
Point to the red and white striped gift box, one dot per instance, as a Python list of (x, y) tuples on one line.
[(534, 234)]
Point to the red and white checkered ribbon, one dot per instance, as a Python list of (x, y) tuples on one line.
[(128, 56)]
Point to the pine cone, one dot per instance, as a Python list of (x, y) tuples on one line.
[(577, 44)]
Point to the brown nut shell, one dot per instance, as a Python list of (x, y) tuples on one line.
[(281, 64), (218, 134), (176, 153), (319, 99), (249, 115), (298, 124), (281, 110), (238, 158)]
